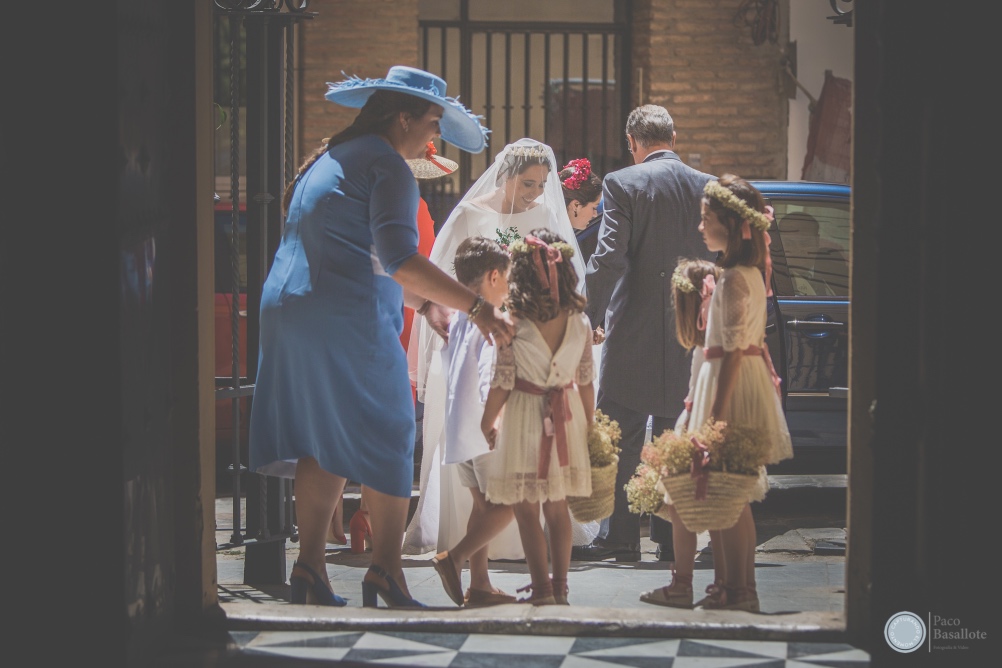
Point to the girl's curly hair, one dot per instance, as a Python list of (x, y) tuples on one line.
[(527, 298)]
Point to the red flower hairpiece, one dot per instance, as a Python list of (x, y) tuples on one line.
[(429, 155), (582, 170)]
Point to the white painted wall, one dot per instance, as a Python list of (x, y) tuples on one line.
[(821, 45)]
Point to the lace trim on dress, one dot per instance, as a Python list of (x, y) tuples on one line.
[(503, 373), (513, 488), (734, 294)]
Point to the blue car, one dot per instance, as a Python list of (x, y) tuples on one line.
[(808, 326)]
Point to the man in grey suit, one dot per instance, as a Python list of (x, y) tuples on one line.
[(650, 220)]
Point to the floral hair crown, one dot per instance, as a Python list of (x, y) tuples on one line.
[(582, 170), (724, 195), (681, 282), (528, 151), (520, 247)]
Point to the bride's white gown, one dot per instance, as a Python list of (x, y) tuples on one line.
[(444, 505)]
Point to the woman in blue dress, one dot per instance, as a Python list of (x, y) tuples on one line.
[(332, 400)]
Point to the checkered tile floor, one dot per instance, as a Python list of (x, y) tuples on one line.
[(462, 650)]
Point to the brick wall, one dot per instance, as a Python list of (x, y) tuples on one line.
[(360, 37), (724, 92)]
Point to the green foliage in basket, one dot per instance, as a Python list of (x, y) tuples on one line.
[(733, 449), (603, 440)]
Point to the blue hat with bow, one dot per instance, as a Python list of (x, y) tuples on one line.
[(459, 126)]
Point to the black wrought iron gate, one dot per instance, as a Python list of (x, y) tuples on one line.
[(254, 47), (566, 84), (563, 83)]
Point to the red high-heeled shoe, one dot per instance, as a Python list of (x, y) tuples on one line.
[(361, 532)]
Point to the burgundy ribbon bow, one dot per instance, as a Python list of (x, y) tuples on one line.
[(700, 470), (709, 284), (553, 257), (745, 229), (746, 234), (716, 352), (555, 419)]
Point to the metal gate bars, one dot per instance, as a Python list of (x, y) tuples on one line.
[(255, 40)]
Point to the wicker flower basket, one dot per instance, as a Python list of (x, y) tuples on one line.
[(726, 495), (599, 505), (662, 512)]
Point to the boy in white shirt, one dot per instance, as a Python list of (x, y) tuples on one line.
[(482, 265)]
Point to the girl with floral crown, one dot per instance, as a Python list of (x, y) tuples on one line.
[(543, 380), (519, 192), (736, 383), (692, 285)]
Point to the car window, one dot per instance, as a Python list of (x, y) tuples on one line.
[(814, 237)]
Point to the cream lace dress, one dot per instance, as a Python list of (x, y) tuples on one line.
[(736, 321), (513, 474), (444, 505)]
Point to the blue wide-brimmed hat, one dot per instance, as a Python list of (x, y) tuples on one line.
[(460, 126)]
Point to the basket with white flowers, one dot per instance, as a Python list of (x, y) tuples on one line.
[(707, 474), (603, 453)]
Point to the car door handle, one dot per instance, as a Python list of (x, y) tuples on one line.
[(813, 324)]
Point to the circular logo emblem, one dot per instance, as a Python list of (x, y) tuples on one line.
[(904, 632)]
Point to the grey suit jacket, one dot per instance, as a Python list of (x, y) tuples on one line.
[(650, 220)]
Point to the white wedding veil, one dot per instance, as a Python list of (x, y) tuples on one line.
[(479, 212)]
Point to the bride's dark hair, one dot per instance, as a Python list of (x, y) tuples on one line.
[(520, 158)]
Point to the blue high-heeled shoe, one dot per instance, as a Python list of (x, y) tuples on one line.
[(393, 596), (301, 586)]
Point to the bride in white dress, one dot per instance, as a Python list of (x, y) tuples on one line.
[(520, 190)]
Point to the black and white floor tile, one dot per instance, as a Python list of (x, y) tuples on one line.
[(463, 650)]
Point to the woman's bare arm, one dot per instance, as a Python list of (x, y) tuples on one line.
[(419, 276)]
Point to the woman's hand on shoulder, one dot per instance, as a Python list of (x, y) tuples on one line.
[(496, 326)]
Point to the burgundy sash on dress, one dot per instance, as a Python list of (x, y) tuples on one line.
[(558, 413), (716, 352)]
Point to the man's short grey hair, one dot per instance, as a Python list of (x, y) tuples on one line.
[(650, 125)]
